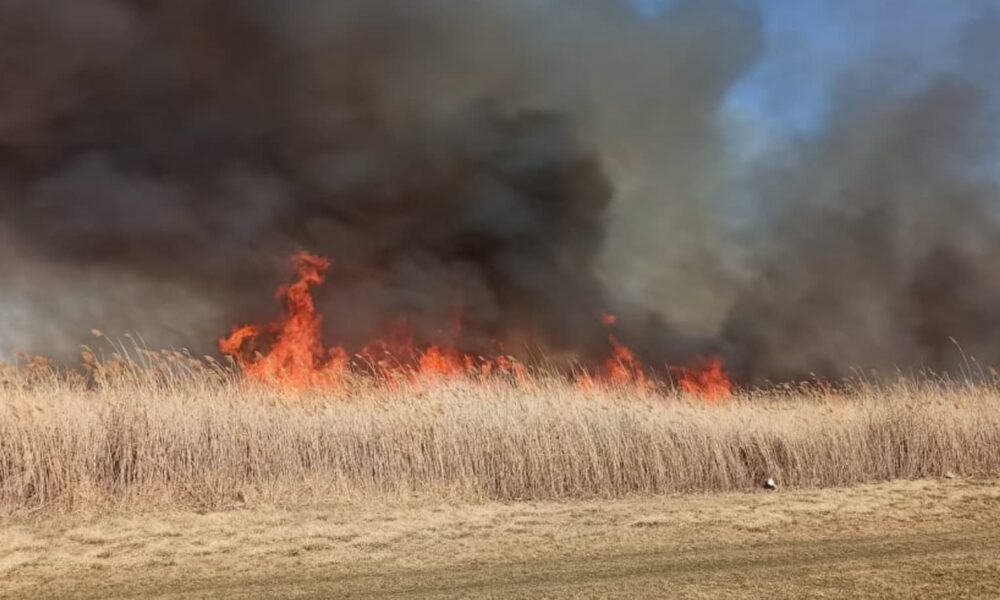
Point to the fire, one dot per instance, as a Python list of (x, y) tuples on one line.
[(444, 362), (296, 357), (623, 366), (708, 380), (290, 353)]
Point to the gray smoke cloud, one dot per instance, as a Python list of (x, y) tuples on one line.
[(160, 161), (881, 239), (526, 163)]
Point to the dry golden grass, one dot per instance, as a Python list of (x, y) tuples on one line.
[(165, 430), (924, 539)]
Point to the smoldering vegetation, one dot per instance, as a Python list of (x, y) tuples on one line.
[(522, 164)]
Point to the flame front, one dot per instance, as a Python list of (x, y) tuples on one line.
[(623, 367), (296, 357), (709, 380), (290, 353)]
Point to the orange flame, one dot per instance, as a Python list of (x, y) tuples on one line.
[(708, 380), (623, 366), (443, 362), (296, 357), (290, 352)]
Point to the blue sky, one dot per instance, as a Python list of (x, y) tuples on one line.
[(810, 42)]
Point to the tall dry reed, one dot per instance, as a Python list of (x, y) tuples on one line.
[(172, 430)]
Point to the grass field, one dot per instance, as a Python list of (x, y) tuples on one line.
[(168, 477), (927, 539), (193, 435)]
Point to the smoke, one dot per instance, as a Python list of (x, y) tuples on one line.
[(161, 160), (526, 164), (881, 239)]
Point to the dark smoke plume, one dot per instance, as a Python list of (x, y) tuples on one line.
[(527, 163), (161, 160), (886, 255), (882, 248)]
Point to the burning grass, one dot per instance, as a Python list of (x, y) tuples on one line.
[(289, 352), (163, 428), (288, 419)]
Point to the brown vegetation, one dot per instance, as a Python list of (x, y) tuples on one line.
[(166, 429), (922, 539)]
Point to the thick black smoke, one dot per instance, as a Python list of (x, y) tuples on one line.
[(161, 160), (525, 163), (195, 145)]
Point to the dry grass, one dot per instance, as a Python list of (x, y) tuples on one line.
[(925, 539), (166, 430)]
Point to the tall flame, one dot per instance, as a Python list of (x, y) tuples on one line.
[(289, 352), (623, 366), (296, 357)]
